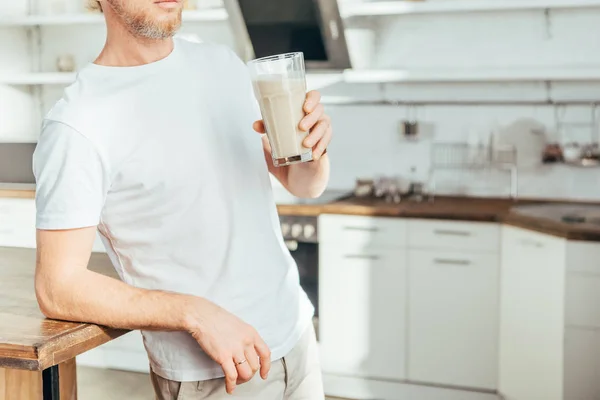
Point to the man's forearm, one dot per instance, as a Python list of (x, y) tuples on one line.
[(86, 296), (309, 179)]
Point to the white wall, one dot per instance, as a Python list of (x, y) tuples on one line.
[(367, 140)]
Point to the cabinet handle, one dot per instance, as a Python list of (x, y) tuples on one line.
[(361, 228), (451, 233), (361, 257), (446, 261), (531, 242)]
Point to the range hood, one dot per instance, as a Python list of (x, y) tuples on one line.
[(268, 27)]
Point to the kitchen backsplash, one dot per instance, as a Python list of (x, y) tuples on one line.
[(368, 143)]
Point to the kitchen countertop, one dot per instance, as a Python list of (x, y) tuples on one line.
[(542, 216), (28, 340)]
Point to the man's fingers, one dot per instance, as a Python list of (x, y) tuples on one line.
[(244, 371), (265, 357), (322, 145), (259, 126), (312, 118), (316, 134), (231, 375), (313, 98), (252, 359)]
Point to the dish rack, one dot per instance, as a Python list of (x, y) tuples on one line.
[(462, 156)]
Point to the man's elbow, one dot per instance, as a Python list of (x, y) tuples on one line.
[(46, 299)]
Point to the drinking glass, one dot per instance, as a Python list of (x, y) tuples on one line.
[(279, 83)]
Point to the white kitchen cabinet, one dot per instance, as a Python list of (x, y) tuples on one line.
[(17, 224), (532, 315), (582, 364), (125, 353), (550, 317), (362, 317), (453, 318), (430, 317)]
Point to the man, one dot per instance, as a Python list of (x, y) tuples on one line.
[(152, 147)]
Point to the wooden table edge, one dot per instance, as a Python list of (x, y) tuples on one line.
[(63, 347)]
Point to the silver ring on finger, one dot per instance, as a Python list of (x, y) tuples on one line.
[(241, 362)]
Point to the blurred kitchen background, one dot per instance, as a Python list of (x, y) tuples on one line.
[(432, 99)]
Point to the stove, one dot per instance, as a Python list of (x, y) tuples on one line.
[(582, 215), (304, 228), (592, 218)]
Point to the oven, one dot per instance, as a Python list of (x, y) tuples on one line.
[(301, 238)]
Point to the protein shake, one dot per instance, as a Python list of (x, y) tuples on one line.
[(280, 88)]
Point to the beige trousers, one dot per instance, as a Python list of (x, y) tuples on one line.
[(297, 376)]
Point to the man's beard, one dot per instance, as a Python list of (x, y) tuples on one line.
[(143, 25)]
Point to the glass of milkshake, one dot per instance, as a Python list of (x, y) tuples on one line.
[(280, 87)]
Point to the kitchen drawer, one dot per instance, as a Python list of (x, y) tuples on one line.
[(17, 223), (435, 234), (362, 231), (14, 207), (583, 300), (17, 238)]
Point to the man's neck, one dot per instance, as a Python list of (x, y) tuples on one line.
[(123, 49)]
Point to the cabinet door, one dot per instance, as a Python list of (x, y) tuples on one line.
[(582, 364), (453, 318), (362, 318), (531, 315)]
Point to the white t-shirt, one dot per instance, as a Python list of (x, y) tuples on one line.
[(163, 159)]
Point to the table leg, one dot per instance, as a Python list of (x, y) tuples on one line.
[(51, 383), (18, 384)]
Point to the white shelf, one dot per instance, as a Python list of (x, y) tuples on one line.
[(217, 14), (43, 78), (473, 75), (401, 7), (378, 76)]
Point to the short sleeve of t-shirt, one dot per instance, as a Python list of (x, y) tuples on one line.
[(71, 180)]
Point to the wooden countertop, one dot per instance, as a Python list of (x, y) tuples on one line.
[(19, 191), (27, 339), (449, 208), (542, 216)]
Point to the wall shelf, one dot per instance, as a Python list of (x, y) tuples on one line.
[(379, 8), (217, 14), (473, 75), (377, 76), (40, 78)]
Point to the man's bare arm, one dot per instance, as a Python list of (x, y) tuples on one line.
[(67, 290)]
